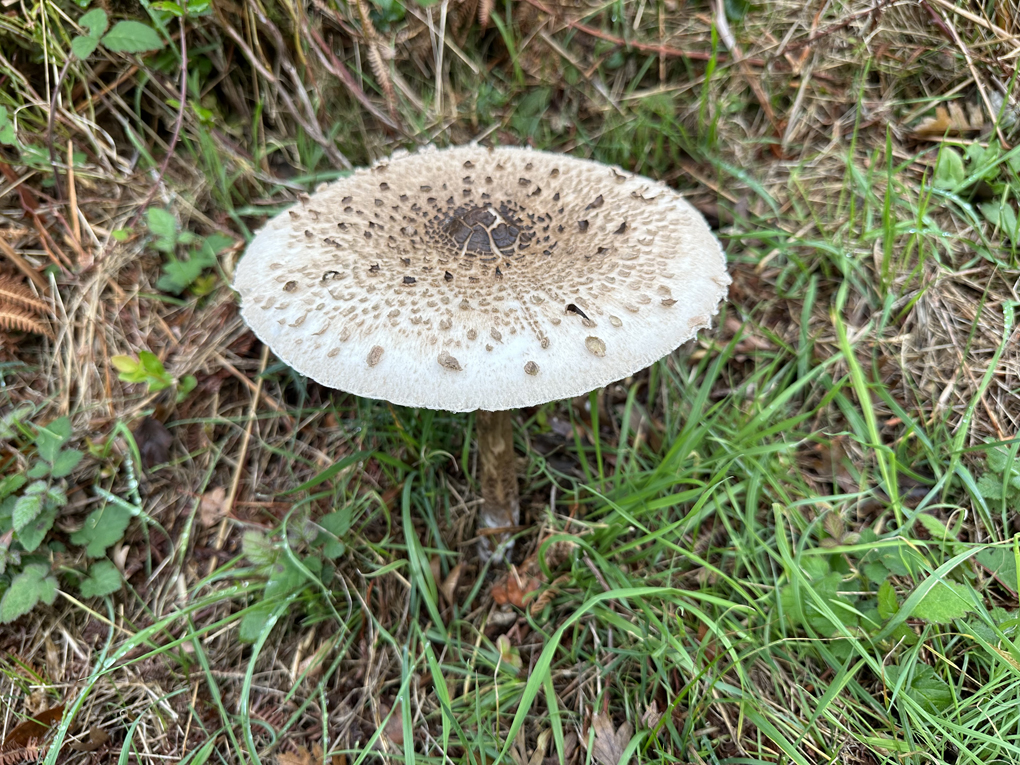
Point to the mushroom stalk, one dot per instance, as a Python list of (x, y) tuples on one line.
[(500, 501)]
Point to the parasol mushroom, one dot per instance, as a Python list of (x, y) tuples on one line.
[(480, 279)]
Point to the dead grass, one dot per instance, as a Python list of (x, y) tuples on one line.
[(781, 126)]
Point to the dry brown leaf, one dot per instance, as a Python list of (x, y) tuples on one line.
[(212, 507), (97, 737), (394, 729), (952, 120), (29, 730), (513, 587), (301, 757), (449, 587), (608, 746), (153, 441), (435, 566)]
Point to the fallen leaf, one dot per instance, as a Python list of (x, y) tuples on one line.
[(212, 507), (394, 729), (54, 666), (97, 737), (301, 757), (513, 587), (952, 120), (34, 728), (449, 587), (153, 441), (652, 715), (435, 566), (608, 745), (508, 654)]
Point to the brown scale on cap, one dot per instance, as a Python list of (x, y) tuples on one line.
[(481, 249)]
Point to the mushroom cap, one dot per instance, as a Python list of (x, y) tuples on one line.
[(477, 278)]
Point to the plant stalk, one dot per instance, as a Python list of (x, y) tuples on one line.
[(501, 508)]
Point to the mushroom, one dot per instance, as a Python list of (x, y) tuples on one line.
[(480, 279)]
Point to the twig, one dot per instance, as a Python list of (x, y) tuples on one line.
[(24, 266), (177, 129)]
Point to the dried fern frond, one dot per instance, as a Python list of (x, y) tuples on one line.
[(485, 12), (376, 59), (23, 320), (15, 291)]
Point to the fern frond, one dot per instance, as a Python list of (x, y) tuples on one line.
[(14, 317), (382, 74), (13, 290), (484, 12)]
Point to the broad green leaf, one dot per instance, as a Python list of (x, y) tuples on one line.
[(6, 513), (254, 622), (7, 134), (60, 428), (38, 470), (258, 549), (943, 603), (903, 635), (103, 527), (66, 461), (1001, 562), (125, 364), (49, 438), (95, 21), (178, 275), (29, 505), (103, 579), (285, 579), (336, 526), (888, 604), (1001, 215), (83, 47), (936, 528), (32, 535), (990, 486), (925, 687), (998, 459), (132, 37), (876, 572), (162, 224), (167, 7), (1008, 222), (949, 170), (151, 364), (10, 484), (213, 245), (815, 567), (55, 497), (32, 585), (185, 385)]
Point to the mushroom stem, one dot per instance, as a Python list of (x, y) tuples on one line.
[(501, 507)]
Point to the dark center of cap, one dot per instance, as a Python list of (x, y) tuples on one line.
[(485, 231)]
